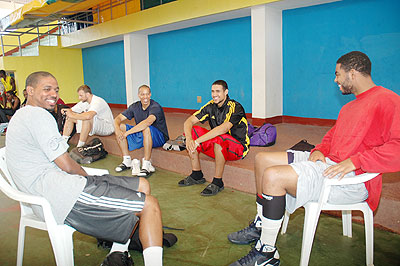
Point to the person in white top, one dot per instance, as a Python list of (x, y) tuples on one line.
[(92, 116)]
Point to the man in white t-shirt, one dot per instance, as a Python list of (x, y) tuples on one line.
[(92, 116)]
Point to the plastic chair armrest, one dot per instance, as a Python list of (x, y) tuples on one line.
[(350, 180)]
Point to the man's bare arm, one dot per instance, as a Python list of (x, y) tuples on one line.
[(68, 165), (216, 131), (142, 125), (82, 116), (187, 127)]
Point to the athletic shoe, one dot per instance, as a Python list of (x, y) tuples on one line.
[(118, 258), (135, 167), (247, 235), (147, 168), (122, 167), (264, 255)]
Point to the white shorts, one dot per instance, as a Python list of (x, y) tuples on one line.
[(100, 127), (310, 183)]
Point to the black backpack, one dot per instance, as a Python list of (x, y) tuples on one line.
[(90, 152), (169, 240)]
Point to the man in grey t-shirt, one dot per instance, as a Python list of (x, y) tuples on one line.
[(39, 163)]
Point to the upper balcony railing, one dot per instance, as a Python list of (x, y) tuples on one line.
[(60, 19)]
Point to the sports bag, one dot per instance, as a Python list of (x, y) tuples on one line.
[(169, 240), (263, 136), (90, 152), (178, 144), (302, 145)]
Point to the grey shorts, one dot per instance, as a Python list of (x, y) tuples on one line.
[(106, 207), (310, 183)]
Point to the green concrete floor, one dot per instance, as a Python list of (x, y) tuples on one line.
[(206, 221)]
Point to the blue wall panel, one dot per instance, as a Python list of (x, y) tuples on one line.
[(104, 71), (184, 63), (315, 37)]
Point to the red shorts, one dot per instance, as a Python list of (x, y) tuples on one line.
[(232, 149)]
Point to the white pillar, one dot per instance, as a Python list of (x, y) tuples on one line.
[(266, 39), (136, 53)]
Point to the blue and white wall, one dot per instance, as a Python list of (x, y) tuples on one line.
[(315, 37), (104, 71), (183, 63)]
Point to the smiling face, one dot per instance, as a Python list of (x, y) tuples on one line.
[(343, 80), (144, 96), (218, 94), (44, 94)]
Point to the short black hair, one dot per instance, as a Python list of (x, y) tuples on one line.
[(221, 83), (355, 60), (33, 78)]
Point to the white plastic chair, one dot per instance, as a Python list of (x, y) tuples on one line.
[(60, 235), (313, 211)]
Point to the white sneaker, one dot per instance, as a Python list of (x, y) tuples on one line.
[(147, 168), (135, 167)]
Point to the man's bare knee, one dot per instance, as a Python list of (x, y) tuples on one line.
[(146, 132), (122, 127), (151, 204), (272, 176), (217, 148), (144, 186)]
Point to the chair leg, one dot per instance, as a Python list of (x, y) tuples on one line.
[(369, 235), (21, 243), (347, 223), (62, 245), (285, 222), (310, 224)]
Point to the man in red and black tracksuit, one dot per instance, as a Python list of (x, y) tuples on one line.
[(226, 141)]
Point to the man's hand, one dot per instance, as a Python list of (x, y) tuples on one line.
[(120, 135), (67, 112), (317, 156), (191, 145), (340, 169)]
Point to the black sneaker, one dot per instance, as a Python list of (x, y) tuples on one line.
[(247, 235), (259, 255), (118, 258)]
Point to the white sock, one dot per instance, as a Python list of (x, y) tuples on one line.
[(120, 247), (127, 160), (66, 138), (270, 230), (257, 219), (80, 143), (153, 256)]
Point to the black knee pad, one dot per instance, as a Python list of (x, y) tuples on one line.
[(273, 206)]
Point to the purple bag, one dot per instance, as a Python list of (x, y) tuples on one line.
[(263, 136)]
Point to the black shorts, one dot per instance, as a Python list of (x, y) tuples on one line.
[(106, 207)]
